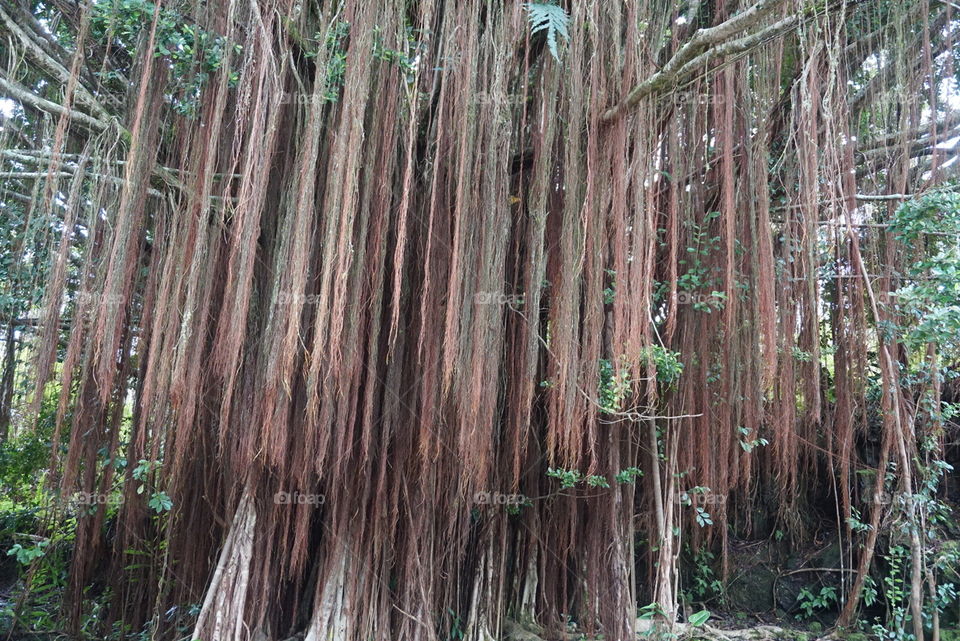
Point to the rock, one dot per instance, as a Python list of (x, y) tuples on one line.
[(751, 589)]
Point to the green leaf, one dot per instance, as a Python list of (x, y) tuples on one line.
[(699, 618), (703, 517), (597, 481), (160, 502)]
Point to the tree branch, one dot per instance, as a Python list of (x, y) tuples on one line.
[(24, 95), (701, 40), (53, 67)]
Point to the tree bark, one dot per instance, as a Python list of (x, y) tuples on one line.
[(222, 615), (6, 382)]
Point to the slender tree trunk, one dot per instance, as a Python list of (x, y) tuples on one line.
[(6, 381)]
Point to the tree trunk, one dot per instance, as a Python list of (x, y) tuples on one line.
[(7, 380), (222, 614)]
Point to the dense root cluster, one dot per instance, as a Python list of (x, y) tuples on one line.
[(370, 277)]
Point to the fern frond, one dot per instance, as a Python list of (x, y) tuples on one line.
[(551, 18)]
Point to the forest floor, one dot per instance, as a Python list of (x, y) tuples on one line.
[(718, 629)]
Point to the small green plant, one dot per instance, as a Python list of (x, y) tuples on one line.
[(703, 517), (629, 475), (697, 619), (749, 444), (27, 555), (456, 626), (596, 480), (704, 583), (667, 363), (572, 478), (855, 523), (811, 603), (567, 478), (158, 500), (650, 611), (610, 292), (613, 386), (869, 591)]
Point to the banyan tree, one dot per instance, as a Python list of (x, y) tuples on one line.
[(433, 319)]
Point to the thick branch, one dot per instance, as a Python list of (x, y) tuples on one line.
[(22, 94), (66, 172), (944, 128), (53, 67), (701, 40), (739, 45)]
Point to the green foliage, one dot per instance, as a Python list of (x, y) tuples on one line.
[(145, 470), (26, 555), (704, 583), (160, 502), (629, 475), (22, 459), (24, 260), (42, 562), (142, 471), (703, 517), (613, 387), (402, 59), (456, 626), (610, 291), (597, 481), (869, 591), (699, 276), (896, 590), (194, 54), (614, 383), (667, 362), (552, 19), (335, 45), (749, 444), (572, 478), (855, 523), (567, 478), (930, 225), (697, 619), (811, 603), (650, 611)]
